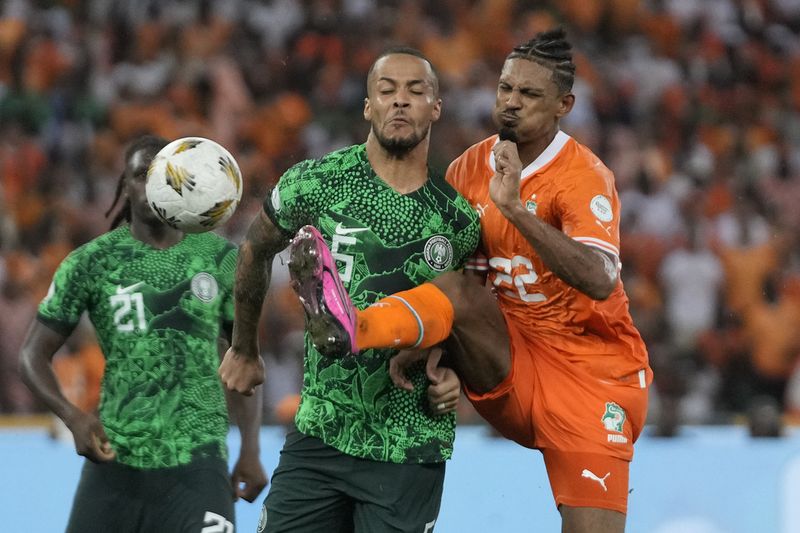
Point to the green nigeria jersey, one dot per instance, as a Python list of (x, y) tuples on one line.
[(158, 315), (383, 242)]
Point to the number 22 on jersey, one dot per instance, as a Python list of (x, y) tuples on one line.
[(512, 275)]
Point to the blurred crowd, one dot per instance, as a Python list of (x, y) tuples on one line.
[(695, 106)]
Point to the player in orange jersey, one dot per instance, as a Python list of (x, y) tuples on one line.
[(558, 365)]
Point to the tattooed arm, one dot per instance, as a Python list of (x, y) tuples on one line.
[(242, 368)]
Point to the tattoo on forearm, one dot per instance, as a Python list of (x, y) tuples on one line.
[(254, 269), (251, 285), (574, 262)]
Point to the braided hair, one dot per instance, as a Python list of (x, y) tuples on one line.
[(145, 142), (551, 50)]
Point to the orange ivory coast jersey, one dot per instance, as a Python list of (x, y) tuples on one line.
[(572, 190)]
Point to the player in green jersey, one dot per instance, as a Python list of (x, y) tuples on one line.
[(159, 301), (367, 456)]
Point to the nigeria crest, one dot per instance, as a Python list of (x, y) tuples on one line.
[(438, 253), (204, 286)]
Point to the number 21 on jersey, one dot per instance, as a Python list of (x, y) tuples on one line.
[(128, 310), (506, 277)]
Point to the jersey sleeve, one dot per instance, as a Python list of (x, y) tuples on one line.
[(478, 262), (289, 205), (589, 209), (68, 295)]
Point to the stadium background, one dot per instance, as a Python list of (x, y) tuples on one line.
[(695, 105)]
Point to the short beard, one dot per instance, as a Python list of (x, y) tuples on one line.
[(399, 148), (507, 134)]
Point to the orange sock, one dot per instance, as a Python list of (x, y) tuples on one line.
[(417, 318)]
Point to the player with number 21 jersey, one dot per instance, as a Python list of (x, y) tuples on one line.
[(157, 316)]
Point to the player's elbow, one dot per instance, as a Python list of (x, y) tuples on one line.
[(601, 288), (601, 295), (25, 365), (30, 363), (603, 276)]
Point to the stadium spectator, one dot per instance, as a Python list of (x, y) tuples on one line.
[(17, 308), (691, 278)]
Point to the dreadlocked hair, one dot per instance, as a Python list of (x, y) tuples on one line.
[(551, 50), (151, 143)]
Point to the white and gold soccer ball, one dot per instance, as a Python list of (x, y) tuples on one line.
[(194, 184)]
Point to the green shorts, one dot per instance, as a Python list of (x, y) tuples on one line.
[(318, 488), (120, 499)]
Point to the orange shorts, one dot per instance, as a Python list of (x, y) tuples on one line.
[(585, 426)]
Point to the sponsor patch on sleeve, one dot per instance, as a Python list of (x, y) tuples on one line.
[(601, 207)]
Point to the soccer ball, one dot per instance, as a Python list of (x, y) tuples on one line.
[(194, 184)]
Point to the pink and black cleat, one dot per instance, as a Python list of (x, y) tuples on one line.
[(330, 315)]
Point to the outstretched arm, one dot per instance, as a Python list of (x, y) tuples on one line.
[(589, 270), (242, 368), (36, 368)]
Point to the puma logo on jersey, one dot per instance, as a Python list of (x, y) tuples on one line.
[(591, 475), (481, 209), (341, 230), (129, 288)]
